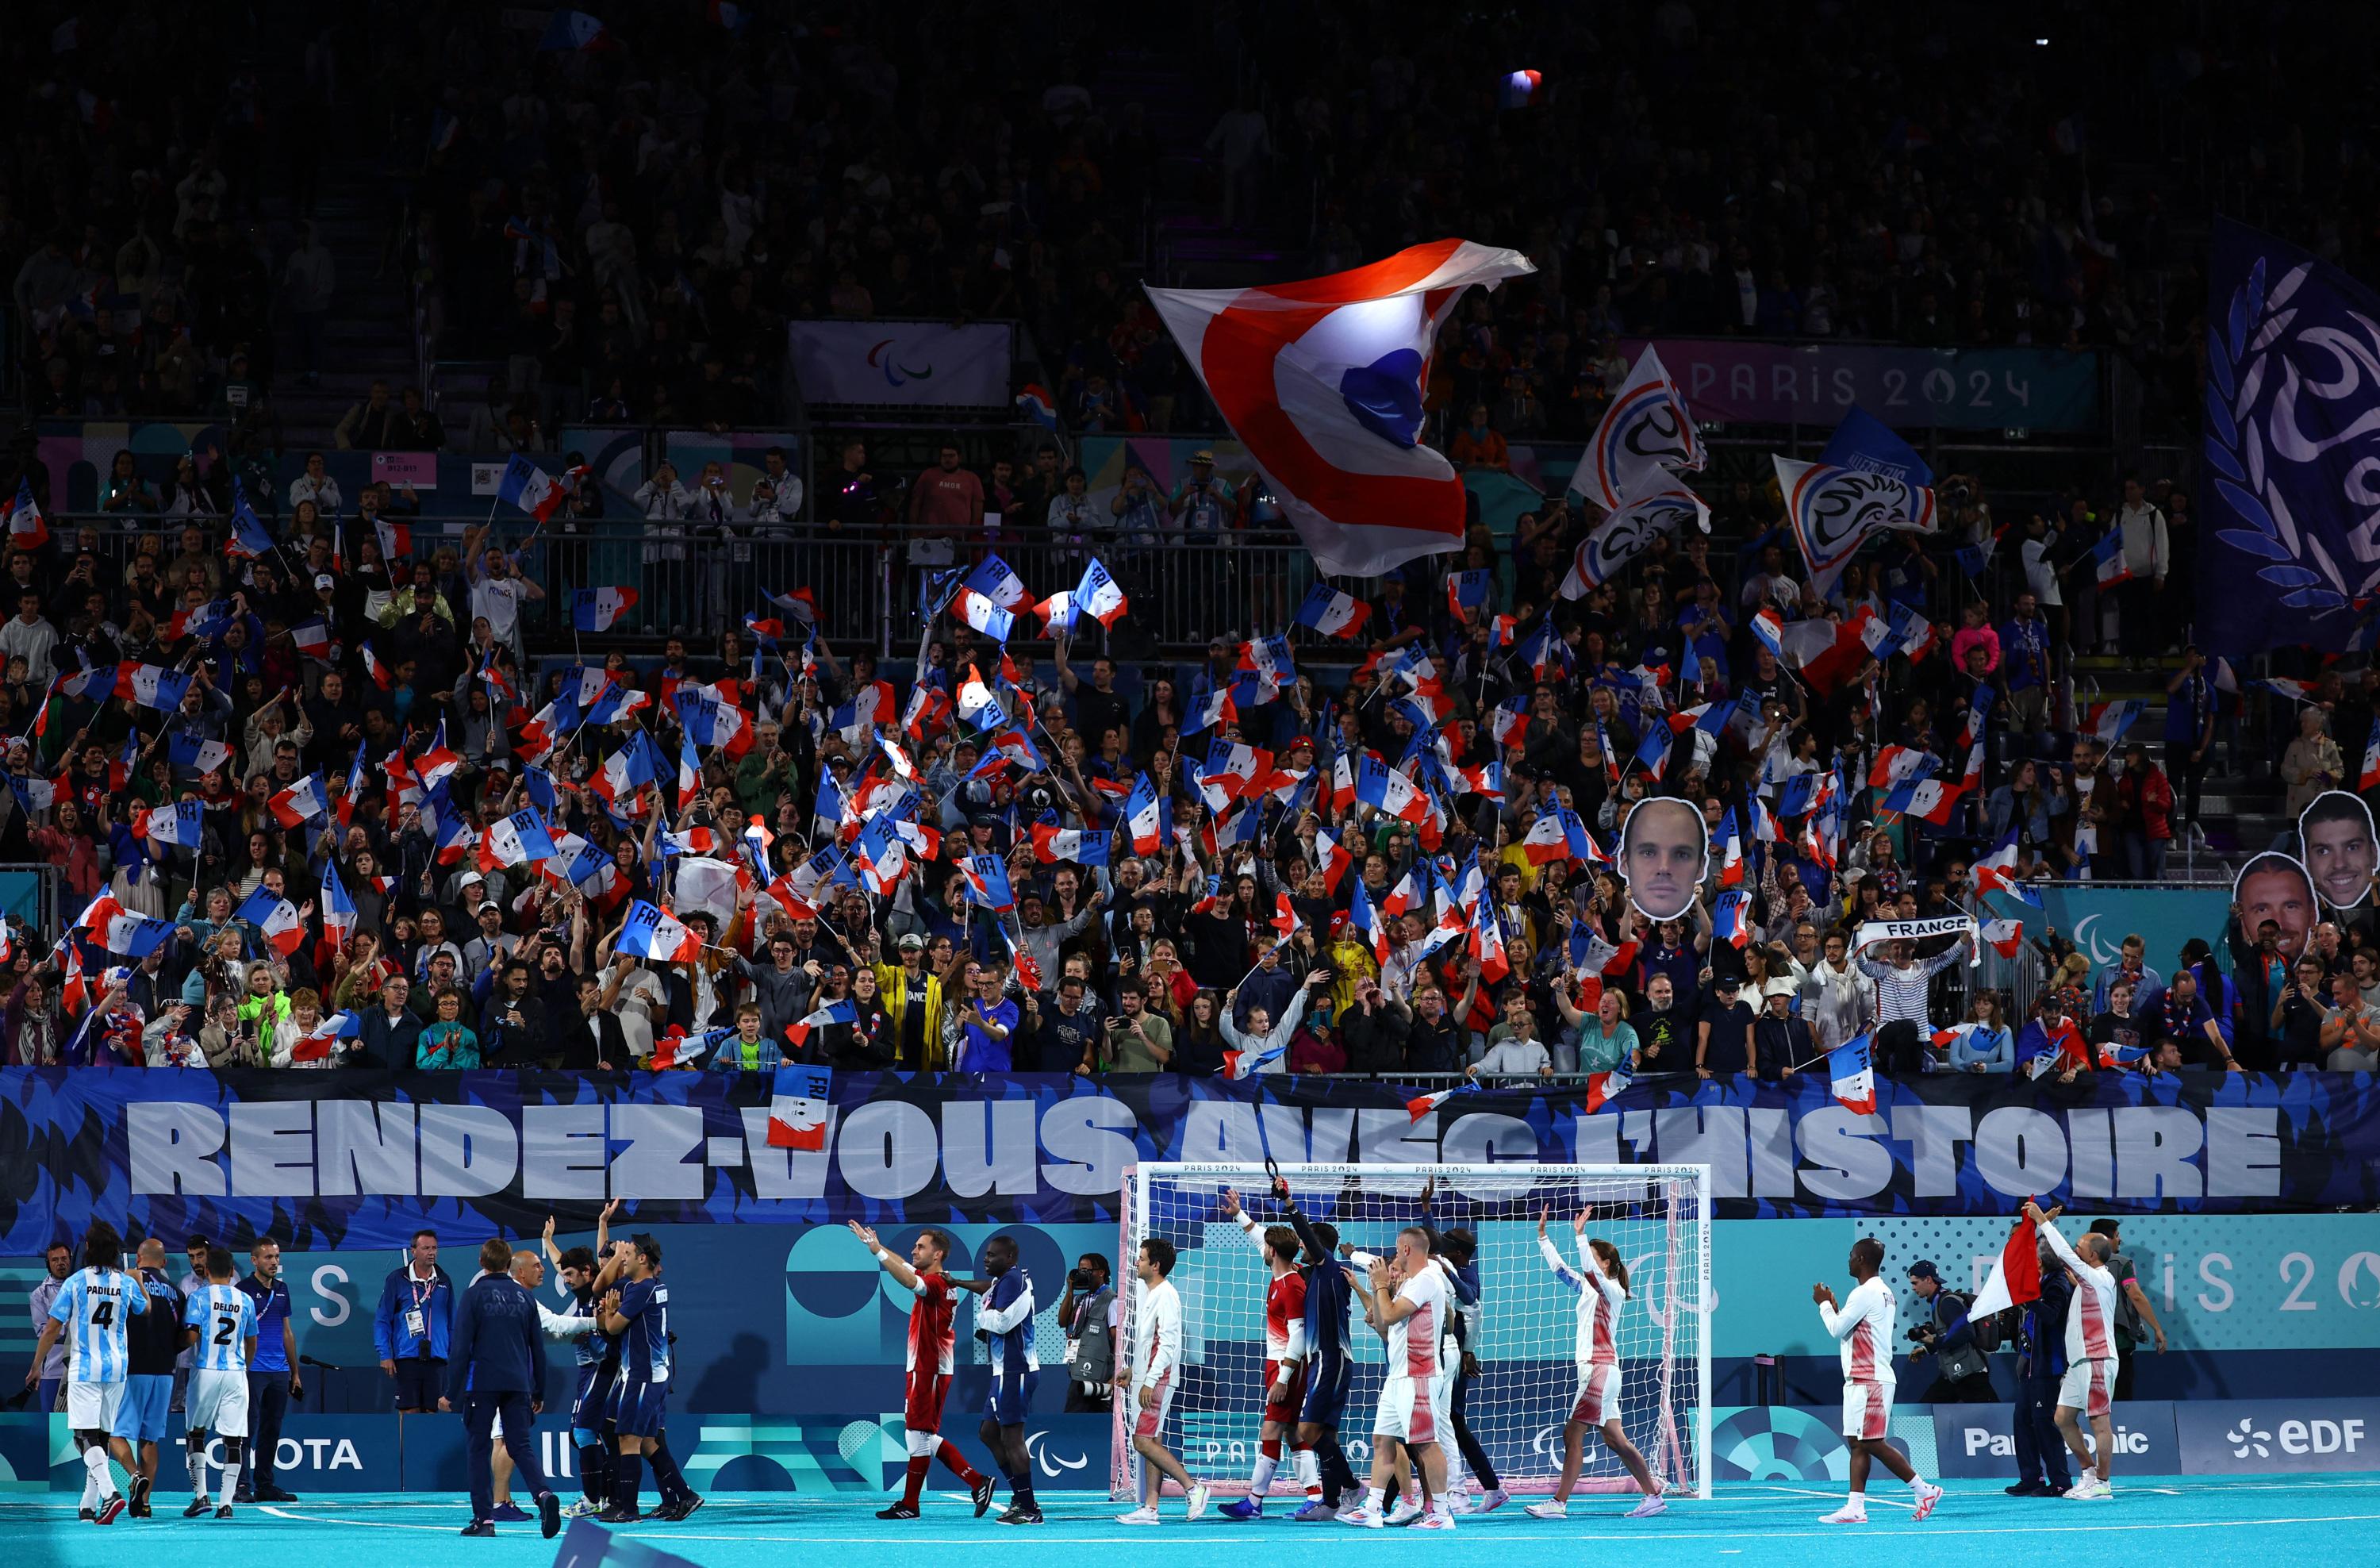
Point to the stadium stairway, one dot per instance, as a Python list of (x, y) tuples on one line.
[(369, 336), (2243, 807)]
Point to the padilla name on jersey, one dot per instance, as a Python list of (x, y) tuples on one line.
[(93, 1306)]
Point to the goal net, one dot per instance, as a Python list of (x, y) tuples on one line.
[(1523, 1335)]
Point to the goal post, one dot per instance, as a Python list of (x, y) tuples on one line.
[(1526, 1336)]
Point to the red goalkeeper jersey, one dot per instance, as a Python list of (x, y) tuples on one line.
[(1284, 1305), (931, 1339)]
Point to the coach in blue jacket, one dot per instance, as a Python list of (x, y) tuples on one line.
[(496, 1370), (411, 1328)]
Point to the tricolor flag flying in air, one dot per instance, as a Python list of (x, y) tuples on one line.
[(1996, 872), (653, 932), (1097, 596), (2111, 719), (381, 674), (276, 918), (799, 1032), (1466, 592), (984, 616), (152, 685), (1321, 380), (987, 883), (2015, 1279), (180, 823), (95, 683), (798, 1104), (1148, 818), (1333, 613), (521, 839), (995, 579), (1247, 1064), (27, 528), (198, 754), (1661, 503), (1603, 1088), (396, 539), (2368, 777), (248, 539), (300, 802), (317, 1043), (528, 486), (1084, 846), (134, 936), (1851, 1072), (2004, 937), (1645, 427), (1730, 918), (597, 609), (1833, 511), (2107, 560), (1415, 1109), (338, 913)]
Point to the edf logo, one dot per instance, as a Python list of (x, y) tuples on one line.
[(2297, 1438)]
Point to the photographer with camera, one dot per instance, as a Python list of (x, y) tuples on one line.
[(1088, 1314), (1960, 1375)]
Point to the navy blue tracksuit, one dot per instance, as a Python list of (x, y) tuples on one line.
[(2040, 1364), (495, 1366)]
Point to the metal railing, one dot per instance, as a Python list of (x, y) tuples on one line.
[(698, 580)]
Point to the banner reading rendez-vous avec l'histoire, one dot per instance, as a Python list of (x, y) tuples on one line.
[(360, 1159)]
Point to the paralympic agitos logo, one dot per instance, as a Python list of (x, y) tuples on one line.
[(881, 358)]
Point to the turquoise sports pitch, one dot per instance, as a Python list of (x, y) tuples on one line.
[(2333, 1519)]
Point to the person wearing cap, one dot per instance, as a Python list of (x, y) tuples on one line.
[(1961, 1374), (1723, 1032), (1781, 1042), (913, 1000)]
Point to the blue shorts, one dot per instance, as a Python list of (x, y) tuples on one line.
[(1011, 1397), (1325, 1390), (148, 1403), (640, 1409), (589, 1407)]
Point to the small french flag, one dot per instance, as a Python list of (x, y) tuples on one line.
[(1851, 1069), (1247, 1064), (1332, 612), (2004, 937), (1416, 1109), (798, 1104), (799, 1032), (1730, 920)]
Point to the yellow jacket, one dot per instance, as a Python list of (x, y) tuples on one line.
[(891, 983)]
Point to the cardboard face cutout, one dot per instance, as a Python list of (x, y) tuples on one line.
[(1664, 854), (2273, 887), (2337, 847)]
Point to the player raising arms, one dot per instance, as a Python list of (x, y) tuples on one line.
[(583, 1281), (1285, 1373), (1409, 1299), (932, 1340), (2090, 1379), (635, 1315), (1600, 1282), (1862, 1326), (1329, 1368)]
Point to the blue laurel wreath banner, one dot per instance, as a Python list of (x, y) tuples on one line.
[(2290, 501)]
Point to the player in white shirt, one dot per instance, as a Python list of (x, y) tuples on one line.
[(91, 1309), (220, 1322), (2087, 1392), (1409, 1300), (1156, 1357), (1862, 1330), (1600, 1282)]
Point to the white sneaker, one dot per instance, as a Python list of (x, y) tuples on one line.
[(582, 1508), (1651, 1505), (1405, 1512), (1198, 1501), (1142, 1515), (1360, 1516), (2103, 1491), (1848, 1513), (1927, 1495), (1458, 1503), (1547, 1510), (1434, 1520), (1493, 1501), (2083, 1490)]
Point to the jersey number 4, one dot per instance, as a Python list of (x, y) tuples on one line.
[(103, 1314)]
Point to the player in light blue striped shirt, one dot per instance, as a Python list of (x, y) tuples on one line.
[(91, 1309), (220, 1322)]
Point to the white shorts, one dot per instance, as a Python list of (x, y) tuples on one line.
[(1407, 1411), (91, 1407), (1599, 1395), (217, 1402), (1441, 1400), (1148, 1420), (2089, 1386), (1867, 1410)]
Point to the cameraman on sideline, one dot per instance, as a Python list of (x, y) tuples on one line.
[(1961, 1376), (1086, 1315)]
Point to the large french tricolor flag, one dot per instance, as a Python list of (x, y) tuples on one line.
[(2015, 1279), (1321, 380), (525, 484), (657, 934)]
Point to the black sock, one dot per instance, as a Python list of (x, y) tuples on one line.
[(627, 1481), (666, 1474), (1022, 1495), (1337, 1478), (594, 1471)]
